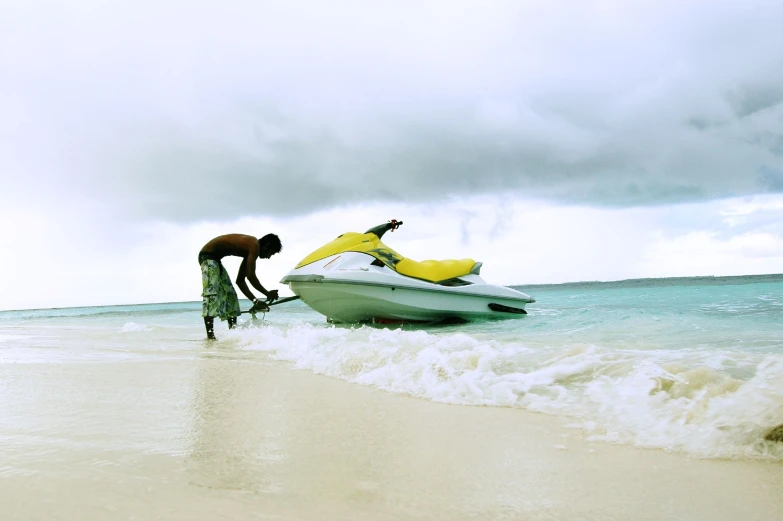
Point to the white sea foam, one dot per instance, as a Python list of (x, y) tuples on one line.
[(132, 327), (700, 401)]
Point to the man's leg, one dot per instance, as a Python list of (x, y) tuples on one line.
[(209, 323), (229, 301), (210, 279)]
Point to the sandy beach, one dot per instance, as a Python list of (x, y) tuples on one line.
[(234, 435)]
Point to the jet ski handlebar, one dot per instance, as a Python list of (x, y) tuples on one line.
[(385, 227)]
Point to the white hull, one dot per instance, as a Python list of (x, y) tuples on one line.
[(347, 288)]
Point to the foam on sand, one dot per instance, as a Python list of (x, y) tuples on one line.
[(710, 403)]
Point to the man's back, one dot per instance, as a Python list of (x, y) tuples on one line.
[(235, 244)]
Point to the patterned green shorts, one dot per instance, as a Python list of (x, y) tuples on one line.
[(219, 297)]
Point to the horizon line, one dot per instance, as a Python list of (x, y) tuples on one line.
[(712, 277)]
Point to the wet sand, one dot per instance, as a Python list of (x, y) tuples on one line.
[(232, 435)]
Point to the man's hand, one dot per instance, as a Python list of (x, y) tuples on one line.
[(272, 295), (259, 306)]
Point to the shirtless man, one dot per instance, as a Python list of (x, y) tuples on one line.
[(219, 297)]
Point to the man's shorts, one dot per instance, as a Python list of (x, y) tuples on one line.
[(219, 297)]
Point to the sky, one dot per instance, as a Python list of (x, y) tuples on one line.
[(553, 141)]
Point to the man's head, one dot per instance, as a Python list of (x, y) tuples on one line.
[(269, 245)]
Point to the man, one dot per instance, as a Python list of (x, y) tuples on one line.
[(219, 297)]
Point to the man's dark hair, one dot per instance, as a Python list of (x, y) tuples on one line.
[(270, 240)]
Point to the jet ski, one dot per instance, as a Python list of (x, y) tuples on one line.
[(357, 278)]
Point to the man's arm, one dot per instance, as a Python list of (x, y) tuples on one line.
[(242, 284), (247, 270)]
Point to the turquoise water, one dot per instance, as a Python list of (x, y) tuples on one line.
[(691, 365)]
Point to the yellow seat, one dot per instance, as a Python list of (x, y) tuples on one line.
[(435, 271)]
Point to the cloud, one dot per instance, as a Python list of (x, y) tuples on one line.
[(705, 253), (184, 112)]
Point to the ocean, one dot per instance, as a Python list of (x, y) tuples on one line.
[(688, 367)]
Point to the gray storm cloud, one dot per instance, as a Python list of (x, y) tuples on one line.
[(183, 112)]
